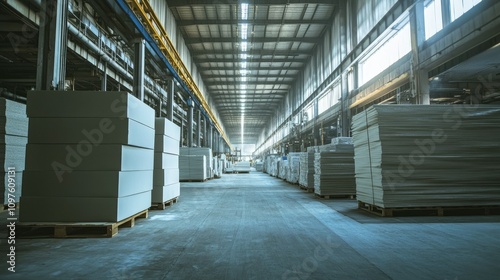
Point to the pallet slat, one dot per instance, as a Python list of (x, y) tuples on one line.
[(76, 230), (429, 211)]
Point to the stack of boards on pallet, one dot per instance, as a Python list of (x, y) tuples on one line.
[(334, 168), (195, 164), (89, 157), (306, 177), (293, 168), (259, 166), (428, 156), (241, 167), (270, 165), (166, 184), (283, 168), (13, 139)]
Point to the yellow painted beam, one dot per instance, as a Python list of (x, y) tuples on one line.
[(146, 14)]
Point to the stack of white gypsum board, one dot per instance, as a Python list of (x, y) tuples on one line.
[(293, 168), (13, 139), (220, 166), (192, 168), (283, 169), (334, 170), (275, 164), (428, 156), (307, 170), (259, 166), (166, 184), (217, 167), (242, 166), (303, 169), (89, 157), (199, 151)]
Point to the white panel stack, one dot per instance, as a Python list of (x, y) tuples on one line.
[(293, 168), (89, 157), (166, 184), (306, 178), (192, 168), (334, 170), (428, 156), (199, 151), (283, 169), (242, 167), (217, 165), (259, 166), (13, 139)]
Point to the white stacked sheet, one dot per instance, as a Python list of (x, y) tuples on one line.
[(241, 166), (13, 139), (192, 167), (425, 156), (166, 161), (334, 170), (199, 151), (99, 168), (294, 168), (306, 177)]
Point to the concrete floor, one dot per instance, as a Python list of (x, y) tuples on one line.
[(253, 226)]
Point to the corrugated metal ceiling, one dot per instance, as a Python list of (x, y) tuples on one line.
[(249, 54)]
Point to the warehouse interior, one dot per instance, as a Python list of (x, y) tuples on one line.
[(231, 139)]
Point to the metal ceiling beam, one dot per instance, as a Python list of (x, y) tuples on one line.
[(248, 104), (252, 96), (252, 22), (250, 75), (191, 40), (218, 83), (253, 52), (250, 91), (181, 3), (252, 59), (203, 68)]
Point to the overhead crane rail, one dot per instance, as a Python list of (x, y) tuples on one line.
[(150, 21)]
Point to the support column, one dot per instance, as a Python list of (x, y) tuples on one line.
[(205, 132), (139, 56), (198, 127), (159, 107), (210, 136), (182, 133), (419, 83), (52, 45), (170, 98), (104, 79), (344, 117), (316, 126), (190, 122), (347, 23)]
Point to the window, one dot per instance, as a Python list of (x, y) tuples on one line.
[(386, 54), (433, 18), (460, 7)]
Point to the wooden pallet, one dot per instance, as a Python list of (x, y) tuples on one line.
[(163, 206), (307, 189), (349, 196), (430, 211), (75, 230), (193, 181)]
